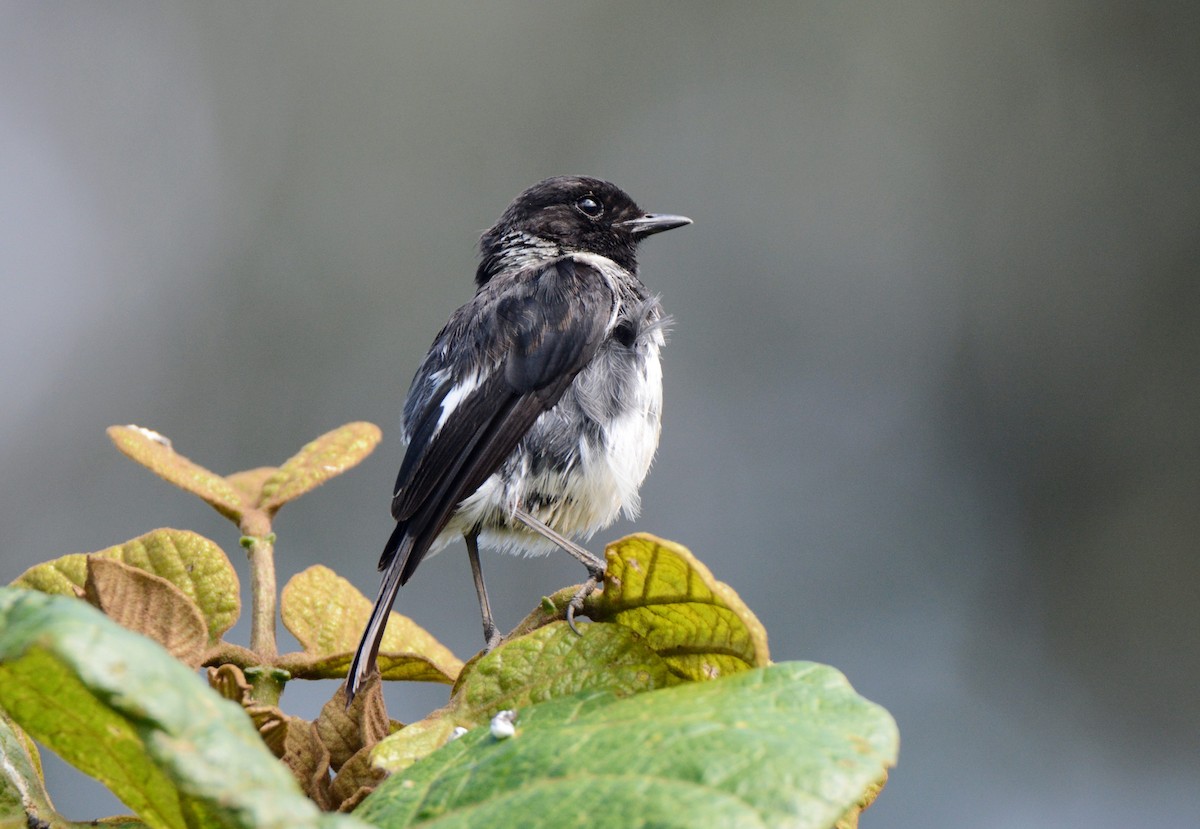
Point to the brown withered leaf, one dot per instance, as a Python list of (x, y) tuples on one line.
[(295, 742), (357, 779), (308, 760), (230, 682), (149, 605), (346, 730), (272, 725)]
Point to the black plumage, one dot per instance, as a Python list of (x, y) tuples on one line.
[(539, 401)]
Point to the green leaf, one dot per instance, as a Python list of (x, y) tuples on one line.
[(22, 792), (24, 802), (698, 624), (156, 453), (327, 614), (788, 745), (547, 663), (326, 457), (187, 560), (121, 709)]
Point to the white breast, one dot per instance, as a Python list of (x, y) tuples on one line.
[(592, 494)]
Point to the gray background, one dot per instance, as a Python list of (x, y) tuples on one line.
[(931, 396)]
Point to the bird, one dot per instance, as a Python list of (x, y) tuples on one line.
[(536, 413)]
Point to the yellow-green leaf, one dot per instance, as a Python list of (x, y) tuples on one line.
[(698, 624), (549, 662), (327, 615), (149, 605), (249, 482), (326, 457), (187, 560), (119, 708), (22, 791), (155, 452)]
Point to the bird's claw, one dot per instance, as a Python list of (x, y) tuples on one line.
[(576, 603), (491, 636)]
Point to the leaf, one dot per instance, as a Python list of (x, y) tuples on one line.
[(119, 708), (549, 662), (787, 745), (191, 562), (850, 819), (308, 760), (294, 741), (272, 725), (326, 457), (22, 791), (230, 682), (249, 483), (357, 778), (156, 453), (327, 615), (698, 624), (346, 730), (24, 803), (149, 605)]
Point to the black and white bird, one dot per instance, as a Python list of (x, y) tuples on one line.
[(536, 413)]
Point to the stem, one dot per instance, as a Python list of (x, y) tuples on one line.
[(226, 653), (266, 681), (261, 552)]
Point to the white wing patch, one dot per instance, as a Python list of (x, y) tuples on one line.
[(456, 395)]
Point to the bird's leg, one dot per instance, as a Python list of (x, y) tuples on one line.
[(490, 634), (595, 566)]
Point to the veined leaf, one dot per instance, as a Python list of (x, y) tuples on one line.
[(547, 663), (121, 709), (149, 605), (660, 590), (788, 745), (326, 457), (327, 615), (191, 562), (156, 453)]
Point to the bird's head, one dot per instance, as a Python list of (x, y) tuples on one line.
[(568, 214)]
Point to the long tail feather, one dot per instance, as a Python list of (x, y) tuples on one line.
[(368, 647)]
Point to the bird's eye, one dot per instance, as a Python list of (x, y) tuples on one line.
[(590, 206)]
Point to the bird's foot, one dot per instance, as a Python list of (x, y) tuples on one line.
[(492, 636), (576, 604)]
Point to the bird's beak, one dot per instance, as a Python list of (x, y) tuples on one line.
[(652, 223)]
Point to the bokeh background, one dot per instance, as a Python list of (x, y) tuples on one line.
[(932, 400)]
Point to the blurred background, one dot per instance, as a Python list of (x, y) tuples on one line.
[(932, 401)]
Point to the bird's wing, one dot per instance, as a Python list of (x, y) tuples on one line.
[(507, 358)]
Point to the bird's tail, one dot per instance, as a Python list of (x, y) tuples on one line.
[(368, 647)]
